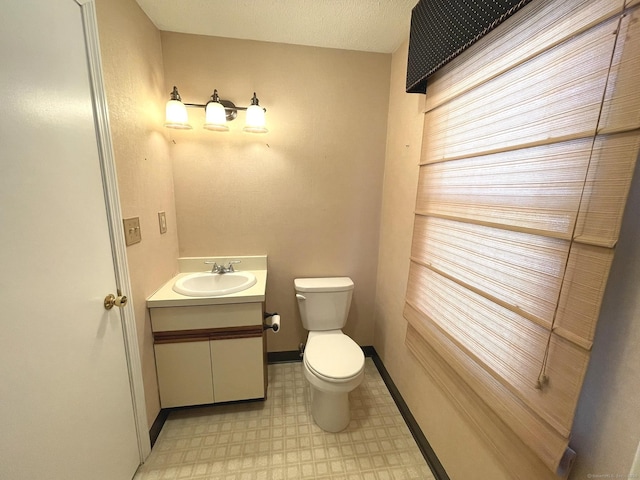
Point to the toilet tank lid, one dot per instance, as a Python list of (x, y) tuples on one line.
[(326, 284)]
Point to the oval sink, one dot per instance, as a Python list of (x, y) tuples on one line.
[(207, 284)]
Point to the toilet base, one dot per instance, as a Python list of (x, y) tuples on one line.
[(330, 410), (330, 399)]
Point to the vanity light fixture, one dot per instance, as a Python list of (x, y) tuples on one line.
[(217, 113), (176, 113), (255, 117)]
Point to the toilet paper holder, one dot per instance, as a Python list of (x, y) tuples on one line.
[(275, 326)]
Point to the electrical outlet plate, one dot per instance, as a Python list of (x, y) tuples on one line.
[(162, 220), (132, 232)]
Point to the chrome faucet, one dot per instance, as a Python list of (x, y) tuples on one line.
[(221, 268)]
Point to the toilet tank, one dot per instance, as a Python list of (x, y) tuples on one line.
[(324, 302)]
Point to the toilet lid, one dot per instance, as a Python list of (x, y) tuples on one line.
[(334, 356)]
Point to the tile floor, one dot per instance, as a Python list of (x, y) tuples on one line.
[(277, 439)]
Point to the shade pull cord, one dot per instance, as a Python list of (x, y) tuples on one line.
[(543, 378)]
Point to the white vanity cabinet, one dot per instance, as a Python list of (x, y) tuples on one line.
[(209, 353)]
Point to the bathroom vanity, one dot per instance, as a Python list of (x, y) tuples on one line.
[(210, 349)]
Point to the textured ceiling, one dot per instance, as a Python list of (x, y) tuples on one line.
[(367, 25)]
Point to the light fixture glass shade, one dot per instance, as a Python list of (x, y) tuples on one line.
[(215, 117), (255, 120), (176, 115)]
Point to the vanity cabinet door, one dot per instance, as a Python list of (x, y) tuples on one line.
[(184, 373), (238, 369)]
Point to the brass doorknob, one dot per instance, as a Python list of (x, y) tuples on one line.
[(111, 300)]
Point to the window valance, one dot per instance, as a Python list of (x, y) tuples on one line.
[(442, 29)]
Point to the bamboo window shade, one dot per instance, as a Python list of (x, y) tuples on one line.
[(530, 141)]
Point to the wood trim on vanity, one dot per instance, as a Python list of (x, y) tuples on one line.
[(206, 334)]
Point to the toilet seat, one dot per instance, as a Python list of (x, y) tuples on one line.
[(333, 357)]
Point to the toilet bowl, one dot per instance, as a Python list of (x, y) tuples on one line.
[(333, 363)]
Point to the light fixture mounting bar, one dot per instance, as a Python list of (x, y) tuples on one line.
[(231, 107)]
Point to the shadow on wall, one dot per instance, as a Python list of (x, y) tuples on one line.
[(607, 413)]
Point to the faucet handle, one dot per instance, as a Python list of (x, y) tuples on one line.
[(231, 264), (215, 268)]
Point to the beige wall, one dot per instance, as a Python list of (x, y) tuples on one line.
[(308, 193), (134, 82)]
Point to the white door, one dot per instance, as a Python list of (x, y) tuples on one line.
[(66, 409)]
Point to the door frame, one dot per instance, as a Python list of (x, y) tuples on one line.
[(116, 229)]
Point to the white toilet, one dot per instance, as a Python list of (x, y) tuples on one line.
[(333, 363)]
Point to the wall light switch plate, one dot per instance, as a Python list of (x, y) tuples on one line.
[(162, 220), (132, 232)]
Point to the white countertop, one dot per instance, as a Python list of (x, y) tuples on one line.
[(166, 297)]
